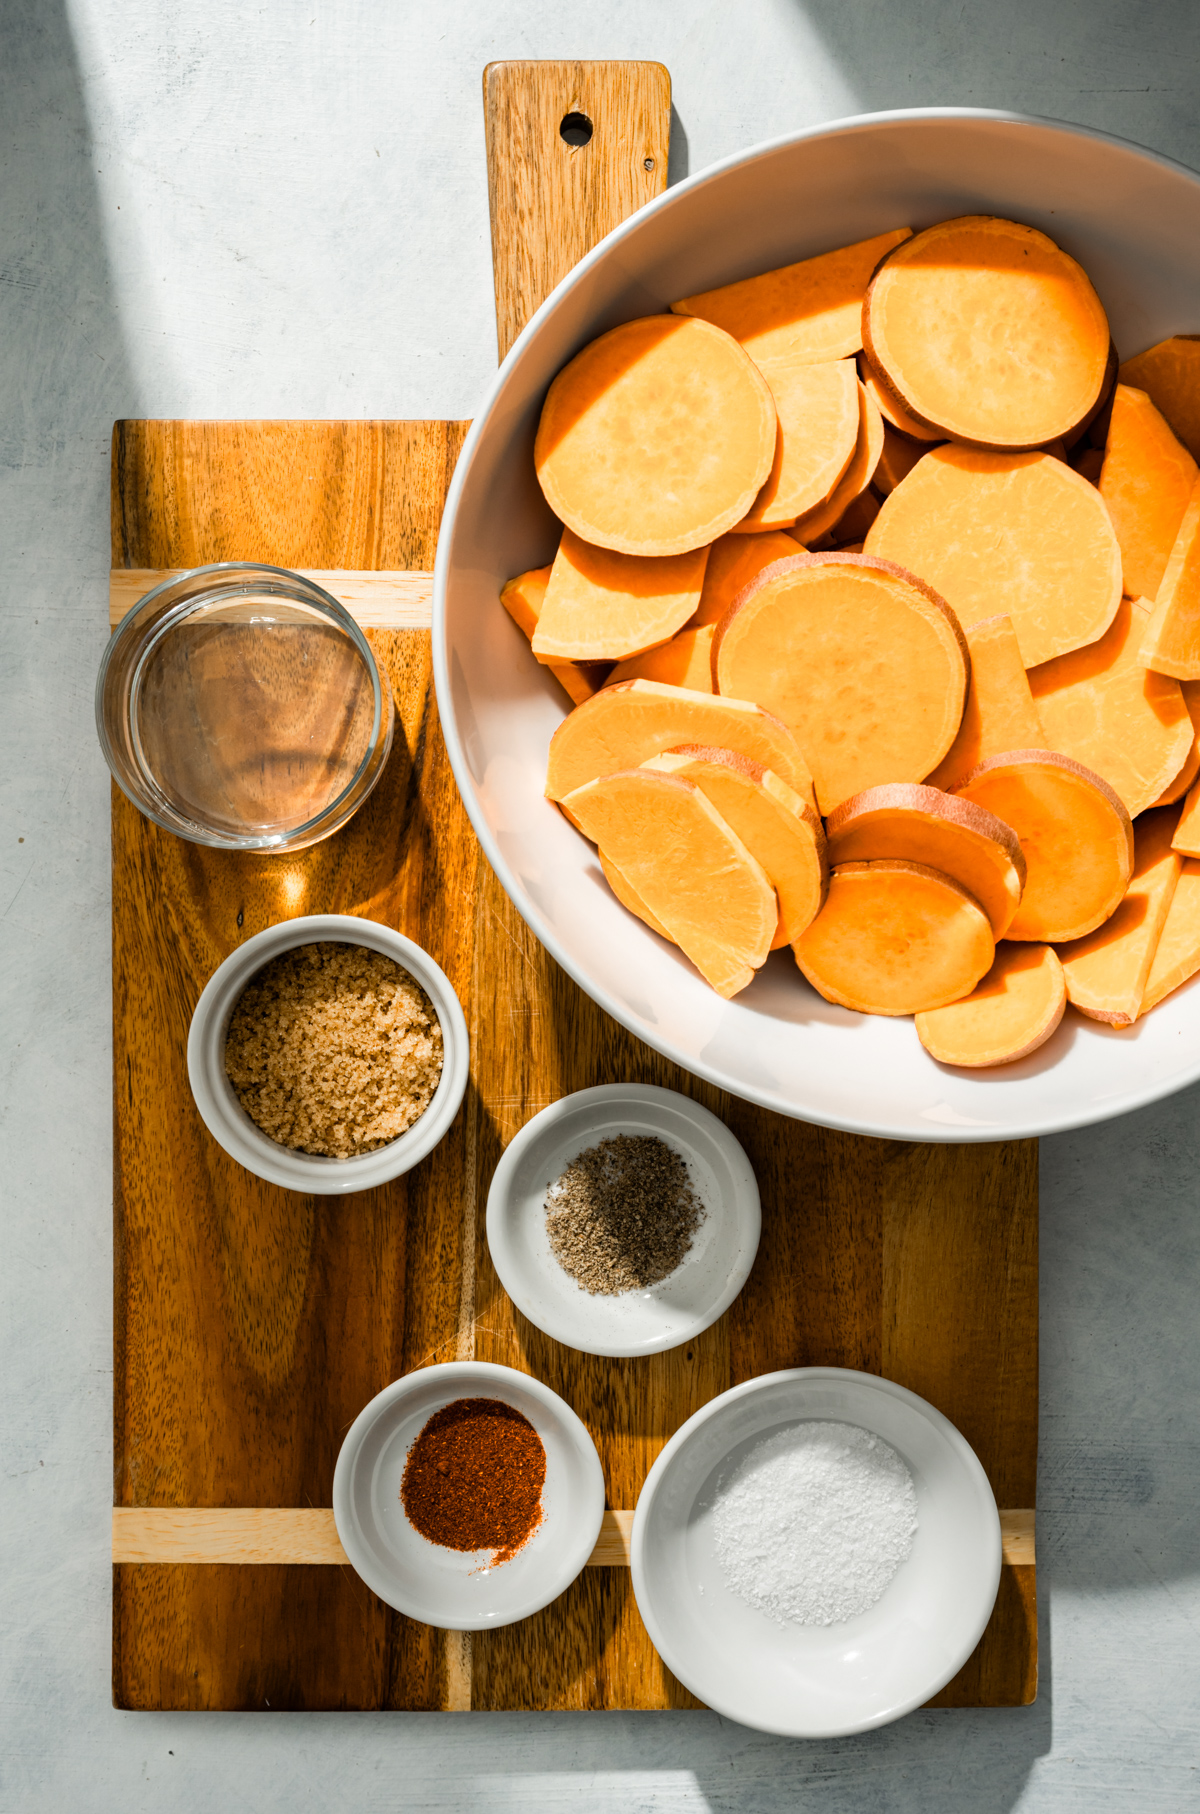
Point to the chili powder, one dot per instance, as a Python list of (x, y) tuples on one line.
[(473, 1479)]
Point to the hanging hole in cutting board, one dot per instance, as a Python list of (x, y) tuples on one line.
[(575, 129)]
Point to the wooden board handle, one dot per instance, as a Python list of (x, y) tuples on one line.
[(554, 188)]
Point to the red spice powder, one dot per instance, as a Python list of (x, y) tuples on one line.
[(473, 1478)]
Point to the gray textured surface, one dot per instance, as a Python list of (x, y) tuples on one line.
[(235, 210)]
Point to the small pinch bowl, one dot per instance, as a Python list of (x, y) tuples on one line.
[(457, 1590), (707, 1279), (809, 1681), (228, 1122)]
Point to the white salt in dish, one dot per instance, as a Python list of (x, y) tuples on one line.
[(813, 1680)]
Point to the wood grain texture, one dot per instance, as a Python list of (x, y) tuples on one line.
[(376, 601), (551, 202)]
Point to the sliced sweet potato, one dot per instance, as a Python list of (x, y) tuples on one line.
[(690, 869), (1146, 481), (1187, 832), (809, 311), (999, 714), (818, 411), (1076, 837), (854, 481), (923, 825), (1012, 1012), (685, 661), (629, 897), (890, 407), (988, 331), (855, 521), (600, 605), (1015, 533), (862, 661), (773, 822), (1169, 373), (1177, 955), (656, 438), (1101, 706), (625, 724), (1106, 972), (893, 938), (1089, 464), (1176, 789), (733, 562), (1171, 644), (897, 459), (523, 598)]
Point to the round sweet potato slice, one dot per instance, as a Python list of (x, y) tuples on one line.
[(1012, 1012), (1076, 837), (890, 407), (863, 662), (733, 562), (989, 332), (817, 438), (657, 437), (1018, 534), (924, 825), (894, 938)]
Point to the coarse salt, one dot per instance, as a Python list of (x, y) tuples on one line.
[(812, 1524)]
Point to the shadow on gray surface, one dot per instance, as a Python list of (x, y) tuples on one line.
[(677, 155)]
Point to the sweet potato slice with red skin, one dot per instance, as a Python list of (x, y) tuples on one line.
[(624, 725), (523, 598), (810, 311), (1000, 713), (693, 872), (1177, 955), (1018, 534), (604, 606), (818, 412), (923, 825), (1076, 837), (1101, 706), (1146, 481), (1171, 644), (1106, 972), (733, 562), (1169, 373), (773, 822), (988, 331), (656, 438), (891, 409), (629, 897), (893, 938), (863, 661), (1012, 1012), (685, 661), (825, 517)]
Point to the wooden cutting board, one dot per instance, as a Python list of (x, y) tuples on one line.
[(252, 1324)]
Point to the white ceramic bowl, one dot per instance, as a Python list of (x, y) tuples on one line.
[(456, 1589), (817, 1681), (709, 1277), (1134, 221), (228, 1122)]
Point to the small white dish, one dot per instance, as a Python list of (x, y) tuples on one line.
[(816, 1681), (705, 1282), (458, 1590), (228, 1122)]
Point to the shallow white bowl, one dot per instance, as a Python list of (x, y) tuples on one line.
[(700, 1289), (228, 1122), (817, 1681), (1134, 221), (455, 1589)]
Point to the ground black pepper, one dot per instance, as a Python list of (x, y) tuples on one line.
[(473, 1478), (623, 1214)]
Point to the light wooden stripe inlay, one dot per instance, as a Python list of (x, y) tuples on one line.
[(393, 600), (293, 1534)]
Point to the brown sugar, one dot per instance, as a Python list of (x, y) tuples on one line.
[(333, 1049)]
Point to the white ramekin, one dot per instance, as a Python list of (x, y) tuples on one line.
[(228, 1122)]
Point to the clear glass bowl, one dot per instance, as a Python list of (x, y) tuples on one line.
[(240, 706)]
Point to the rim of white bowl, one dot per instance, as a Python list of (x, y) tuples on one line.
[(1088, 1113), (505, 1250), (679, 1664), (454, 1375), (228, 1122)]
